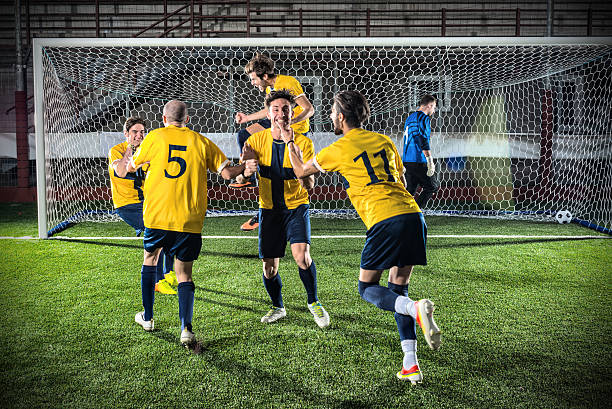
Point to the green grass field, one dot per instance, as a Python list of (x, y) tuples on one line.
[(526, 323)]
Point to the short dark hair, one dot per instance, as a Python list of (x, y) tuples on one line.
[(260, 64), (278, 94), (427, 99), (130, 122), (354, 107)]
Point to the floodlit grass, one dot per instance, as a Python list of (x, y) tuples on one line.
[(526, 323)]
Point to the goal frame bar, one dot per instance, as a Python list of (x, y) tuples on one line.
[(40, 43)]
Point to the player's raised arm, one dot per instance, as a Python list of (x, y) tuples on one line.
[(308, 109)]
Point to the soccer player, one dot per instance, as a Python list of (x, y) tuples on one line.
[(175, 201), (127, 194), (283, 206), (417, 158), (261, 73), (396, 230)]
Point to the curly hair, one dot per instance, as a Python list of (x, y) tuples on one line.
[(277, 94)]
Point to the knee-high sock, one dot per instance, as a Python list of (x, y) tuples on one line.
[(378, 295), (147, 286), (273, 287), (406, 325), (186, 291), (309, 279), (159, 270)]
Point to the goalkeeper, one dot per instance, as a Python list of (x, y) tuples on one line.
[(418, 162), (127, 195), (397, 233), (261, 74)]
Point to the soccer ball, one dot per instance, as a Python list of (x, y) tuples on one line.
[(563, 217)]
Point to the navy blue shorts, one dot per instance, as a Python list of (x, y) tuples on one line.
[(396, 242), (132, 215), (277, 227), (184, 246)]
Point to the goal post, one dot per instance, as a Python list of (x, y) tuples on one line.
[(523, 129)]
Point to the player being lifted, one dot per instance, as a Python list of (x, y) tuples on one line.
[(261, 74), (396, 231), (175, 201), (283, 206), (127, 194)]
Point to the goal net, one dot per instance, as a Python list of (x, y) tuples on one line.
[(523, 127)]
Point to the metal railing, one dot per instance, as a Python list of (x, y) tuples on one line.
[(198, 18)]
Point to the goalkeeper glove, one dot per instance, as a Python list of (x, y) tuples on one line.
[(431, 167)]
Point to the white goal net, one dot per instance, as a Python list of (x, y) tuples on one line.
[(523, 127)]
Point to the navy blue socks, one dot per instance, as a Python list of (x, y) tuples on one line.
[(378, 295), (309, 279), (273, 287), (147, 285), (406, 325), (186, 291)]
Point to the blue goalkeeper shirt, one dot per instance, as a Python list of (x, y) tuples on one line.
[(417, 131)]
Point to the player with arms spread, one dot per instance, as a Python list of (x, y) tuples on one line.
[(283, 206), (175, 201), (260, 70), (396, 231), (127, 194)]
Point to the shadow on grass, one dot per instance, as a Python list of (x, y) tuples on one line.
[(502, 242), (102, 243)]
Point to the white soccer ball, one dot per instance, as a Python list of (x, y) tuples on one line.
[(563, 217)]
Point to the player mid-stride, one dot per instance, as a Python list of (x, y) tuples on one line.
[(397, 233)]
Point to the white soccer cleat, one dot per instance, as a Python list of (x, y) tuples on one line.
[(187, 337), (146, 325), (414, 375), (432, 333), (321, 316), (274, 314)]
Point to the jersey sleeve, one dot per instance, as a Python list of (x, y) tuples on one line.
[(215, 158), (327, 159), (294, 86), (307, 149), (424, 131), (143, 152), (399, 165)]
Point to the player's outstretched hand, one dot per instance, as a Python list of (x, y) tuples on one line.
[(247, 153), (240, 117)]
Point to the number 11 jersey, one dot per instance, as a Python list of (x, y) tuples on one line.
[(371, 167)]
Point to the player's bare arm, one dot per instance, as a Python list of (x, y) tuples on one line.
[(308, 109), (302, 170), (241, 117), (246, 168), (120, 166)]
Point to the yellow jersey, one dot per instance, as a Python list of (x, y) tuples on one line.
[(371, 167), (176, 191), (295, 88), (128, 189), (279, 188)]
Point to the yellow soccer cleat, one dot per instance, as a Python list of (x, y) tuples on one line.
[(164, 287), (171, 278), (433, 335)]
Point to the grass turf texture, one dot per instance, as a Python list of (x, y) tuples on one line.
[(526, 323)]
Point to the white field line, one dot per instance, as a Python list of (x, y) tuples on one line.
[(340, 236)]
